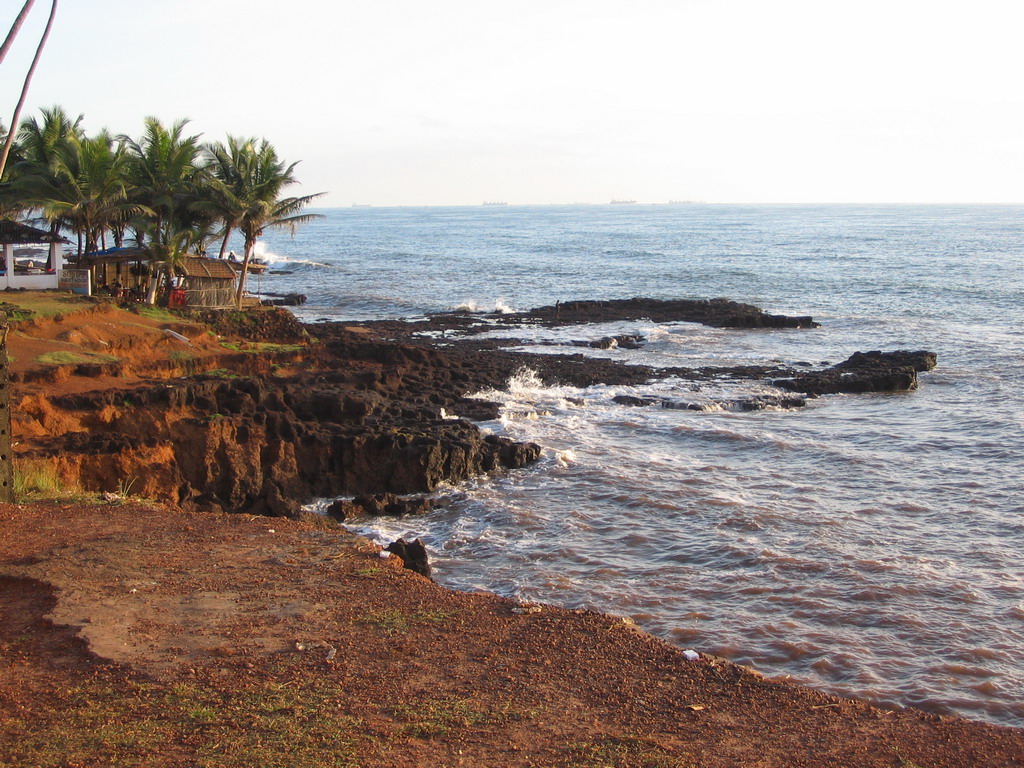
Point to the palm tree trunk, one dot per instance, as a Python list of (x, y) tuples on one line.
[(15, 28), (224, 243), (249, 248), (24, 90), (153, 285)]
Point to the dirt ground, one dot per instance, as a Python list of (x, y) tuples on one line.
[(145, 636), (122, 346)]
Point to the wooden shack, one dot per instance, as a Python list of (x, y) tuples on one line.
[(206, 282), (116, 271)]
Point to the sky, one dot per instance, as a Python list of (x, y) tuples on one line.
[(454, 102)]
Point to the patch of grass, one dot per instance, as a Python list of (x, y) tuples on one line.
[(15, 314), (181, 355), (260, 347), (622, 752), (391, 621), (223, 373), (396, 622), (904, 763), (154, 312), (433, 718), (24, 305), (107, 722), (124, 488), (38, 478), (64, 357)]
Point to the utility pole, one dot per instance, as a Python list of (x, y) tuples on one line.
[(6, 457)]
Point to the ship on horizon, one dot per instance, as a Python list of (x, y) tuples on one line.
[(623, 202)]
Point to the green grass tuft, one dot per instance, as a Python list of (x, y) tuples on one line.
[(622, 752), (154, 313), (108, 722), (64, 357), (395, 622), (38, 478)]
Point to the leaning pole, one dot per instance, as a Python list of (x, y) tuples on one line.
[(6, 459)]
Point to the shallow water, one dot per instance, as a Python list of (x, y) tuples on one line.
[(866, 544)]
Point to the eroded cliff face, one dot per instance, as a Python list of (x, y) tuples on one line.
[(362, 423)]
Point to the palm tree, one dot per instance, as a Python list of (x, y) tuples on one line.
[(165, 257), (86, 187), (40, 141), (15, 28), (10, 206), (39, 145), (224, 161), (167, 175), (249, 179), (28, 77), (165, 172)]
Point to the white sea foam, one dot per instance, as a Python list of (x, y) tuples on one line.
[(500, 305), (262, 253)]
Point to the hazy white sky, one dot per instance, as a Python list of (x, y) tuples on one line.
[(391, 102)]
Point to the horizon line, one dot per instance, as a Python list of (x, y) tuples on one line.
[(674, 203)]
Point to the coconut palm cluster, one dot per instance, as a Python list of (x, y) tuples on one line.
[(166, 192)]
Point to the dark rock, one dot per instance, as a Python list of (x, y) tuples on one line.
[(413, 554), (606, 343), (380, 504), (635, 401), (864, 372), (626, 341), (272, 502), (633, 341), (682, 405), (269, 324), (288, 300), (754, 403), (920, 360)]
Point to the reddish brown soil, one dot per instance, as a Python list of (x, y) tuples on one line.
[(138, 343), (413, 674)]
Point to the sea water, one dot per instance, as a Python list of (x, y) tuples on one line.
[(867, 545)]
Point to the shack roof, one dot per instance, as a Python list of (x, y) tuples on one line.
[(112, 256), (198, 266), (16, 233)]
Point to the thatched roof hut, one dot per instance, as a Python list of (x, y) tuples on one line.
[(207, 282)]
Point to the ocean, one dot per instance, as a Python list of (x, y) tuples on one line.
[(865, 545)]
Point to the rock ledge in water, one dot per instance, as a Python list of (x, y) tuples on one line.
[(864, 372)]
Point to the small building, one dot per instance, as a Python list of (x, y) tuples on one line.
[(32, 258), (124, 273), (116, 271), (209, 283)]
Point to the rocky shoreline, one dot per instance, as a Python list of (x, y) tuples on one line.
[(368, 409)]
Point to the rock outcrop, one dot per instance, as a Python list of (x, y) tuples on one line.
[(264, 445), (863, 372)]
